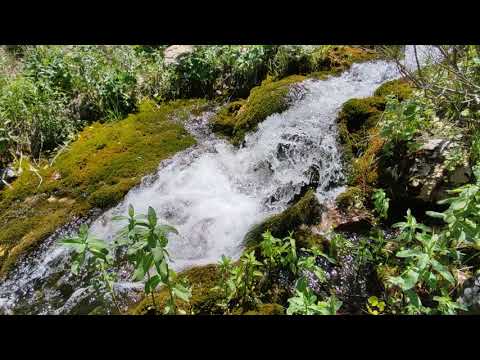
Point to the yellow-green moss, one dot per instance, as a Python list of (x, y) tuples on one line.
[(306, 211), (97, 170), (338, 59), (400, 88), (305, 238), (267, 309), (203, 300), (240, 117)]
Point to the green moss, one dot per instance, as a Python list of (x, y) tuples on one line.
[(306, 239), (98, 169), (352, 197), (362, 144), (203, 300), (238, 118), (339, 58), (267, 309), (399, 88), (306, 211)]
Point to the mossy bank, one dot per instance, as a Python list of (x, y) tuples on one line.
[(96, 171)]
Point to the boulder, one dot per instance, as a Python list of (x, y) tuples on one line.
[(423, 176), (173, 53)]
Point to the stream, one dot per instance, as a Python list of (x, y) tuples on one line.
[(213, 192)]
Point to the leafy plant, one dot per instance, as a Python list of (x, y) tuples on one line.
[(381, 203), (305, 302), (96, 254), (146, 243), (226, 285), (402, 121), (375, 306)]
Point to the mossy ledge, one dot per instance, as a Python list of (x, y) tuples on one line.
[(307, 211), (97, 171), (237, 118)]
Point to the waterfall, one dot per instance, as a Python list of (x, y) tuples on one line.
[(213, 193)]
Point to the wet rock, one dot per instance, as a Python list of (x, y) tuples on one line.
[(470, 295)]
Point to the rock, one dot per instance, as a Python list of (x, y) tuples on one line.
[(173, 53), (422, 178)]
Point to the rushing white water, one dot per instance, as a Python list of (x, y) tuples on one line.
[(214, 192)]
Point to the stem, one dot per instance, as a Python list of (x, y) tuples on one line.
[(112, 291), (169, 285), (151, 294)]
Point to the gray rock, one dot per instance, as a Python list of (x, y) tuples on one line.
[(173, 53)]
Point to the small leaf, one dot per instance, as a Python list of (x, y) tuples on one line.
[(152, 217)]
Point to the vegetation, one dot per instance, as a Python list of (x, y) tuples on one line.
[(81, 125)]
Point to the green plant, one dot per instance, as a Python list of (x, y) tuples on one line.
[(146, 243), (305, 302), (381, 203), (97, 255), (402, 121), (245, 276), (375, 306), (426, 264), (462, 216), (408, 228), (226, 284)]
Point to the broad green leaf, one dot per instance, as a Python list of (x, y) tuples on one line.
[(435, 214), (152, 217), (409, 253), (410, 278), (182, 292), (414, 299), (443, 271), (152, 283)]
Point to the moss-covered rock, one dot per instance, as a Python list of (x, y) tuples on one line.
[(401, 88), (203, 301), (338, 59), (352, 197), (306, 211), (361, 141), (237, 118), (305, 238), (98, 169)]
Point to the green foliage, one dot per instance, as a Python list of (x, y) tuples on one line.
[(381, 203), (146, 243), (402, 121), (33, 117), (462, 216), (305, 302), (97, 256), (375, 306)]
